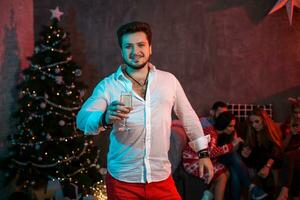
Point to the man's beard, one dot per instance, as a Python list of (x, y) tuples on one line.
[(137, 66)]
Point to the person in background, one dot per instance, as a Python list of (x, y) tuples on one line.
[(216, 188), (290, 175), (228, 138), (263, 147), (138, 164), (217, 108), (221, 176)]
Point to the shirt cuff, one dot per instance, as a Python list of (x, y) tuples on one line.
[(200, 143)]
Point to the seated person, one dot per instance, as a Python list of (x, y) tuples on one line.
[(220, 179), (189, 187), (291, 162), (221, 173), (262, 150), (225, 128)]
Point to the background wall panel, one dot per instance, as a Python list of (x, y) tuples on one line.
[(219, 49)]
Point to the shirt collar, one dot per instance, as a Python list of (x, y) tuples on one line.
[(119, 73)]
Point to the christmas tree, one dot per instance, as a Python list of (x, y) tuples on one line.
[(47, 145)]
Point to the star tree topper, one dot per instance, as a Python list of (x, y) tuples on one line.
[(289, 4), (56, 13)]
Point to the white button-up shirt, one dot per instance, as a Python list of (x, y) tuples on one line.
[(141, 154)]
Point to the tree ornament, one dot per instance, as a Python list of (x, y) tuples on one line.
[(48, 137), (61, 122), (57, 70), (36, 49), (48, 60), (56, 13), (78, 72), (59, 80), (69, 58), (21, 94), (81, 93), (37, 146), (103, 171), (43, 105)]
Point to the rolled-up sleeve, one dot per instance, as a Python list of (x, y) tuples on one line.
[(200, 143), (190, 120)]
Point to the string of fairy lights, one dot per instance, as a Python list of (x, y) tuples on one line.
[(35, 66), (33, 116), (64, 160), (45, 98), (58, 35), (100, 191)]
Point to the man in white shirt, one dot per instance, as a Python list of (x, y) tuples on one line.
[(138, 164)]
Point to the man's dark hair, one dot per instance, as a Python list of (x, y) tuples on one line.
[(219, 104), (134, 27)]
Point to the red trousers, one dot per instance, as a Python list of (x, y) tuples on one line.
[(162, 190)]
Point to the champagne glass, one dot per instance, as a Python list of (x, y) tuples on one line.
[(126, 99)]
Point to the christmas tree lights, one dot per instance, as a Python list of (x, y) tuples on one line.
[(47, 145)]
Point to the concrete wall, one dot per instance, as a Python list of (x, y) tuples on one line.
[(219, 49), (16, 43)]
